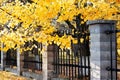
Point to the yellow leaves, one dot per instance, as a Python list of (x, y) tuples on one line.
[(75, 41), (81, 40), (42, 12), (99, 10), (118, 1), (68, 13), (64, 42), (1, 1), (9, 76), (49, 30), (50, 1), (25, 25), (10, 40)]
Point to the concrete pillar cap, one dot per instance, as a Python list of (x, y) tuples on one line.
[(91, 22)]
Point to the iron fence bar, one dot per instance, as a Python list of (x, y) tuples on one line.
[(69, 67), (112, 69), (61, 59), (89, 68), (85, 65), (72, 66), (57, 60), (81, 62), (41, 46), (10, 59), (111, 55), (41, 61), (85, 28), (112, 31), (39, 65), (54, 59), (88, 57), (75, 67), (116, 49), (55, 66), (65, 63), (31, 61), (78, 67)]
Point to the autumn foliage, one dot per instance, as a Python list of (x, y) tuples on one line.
[(9, 76), (39, 20)]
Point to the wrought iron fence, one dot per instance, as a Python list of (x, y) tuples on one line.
[(67, 65), (11, 57), (113, 35), (33, 58), (33, 63), (74, 63)]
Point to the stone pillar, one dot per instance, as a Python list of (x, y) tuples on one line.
[(48, 68), (2, 58), (20, 63), (102, 45)]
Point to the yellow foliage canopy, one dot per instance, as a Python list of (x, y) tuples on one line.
[(34, 21)]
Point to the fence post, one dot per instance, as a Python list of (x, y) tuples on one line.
[(2, 58), (102, 49), (47, 65), (20, 63)]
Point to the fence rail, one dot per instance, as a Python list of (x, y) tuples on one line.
[(33, 64)]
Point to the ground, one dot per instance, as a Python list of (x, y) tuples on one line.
[(9, 76)]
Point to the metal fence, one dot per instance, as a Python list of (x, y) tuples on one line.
[(114, 34), (74, 64), (33, 58), (11, 57), (67, 65)]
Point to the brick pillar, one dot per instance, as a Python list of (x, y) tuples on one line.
[(101, 49), (48, 67)]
